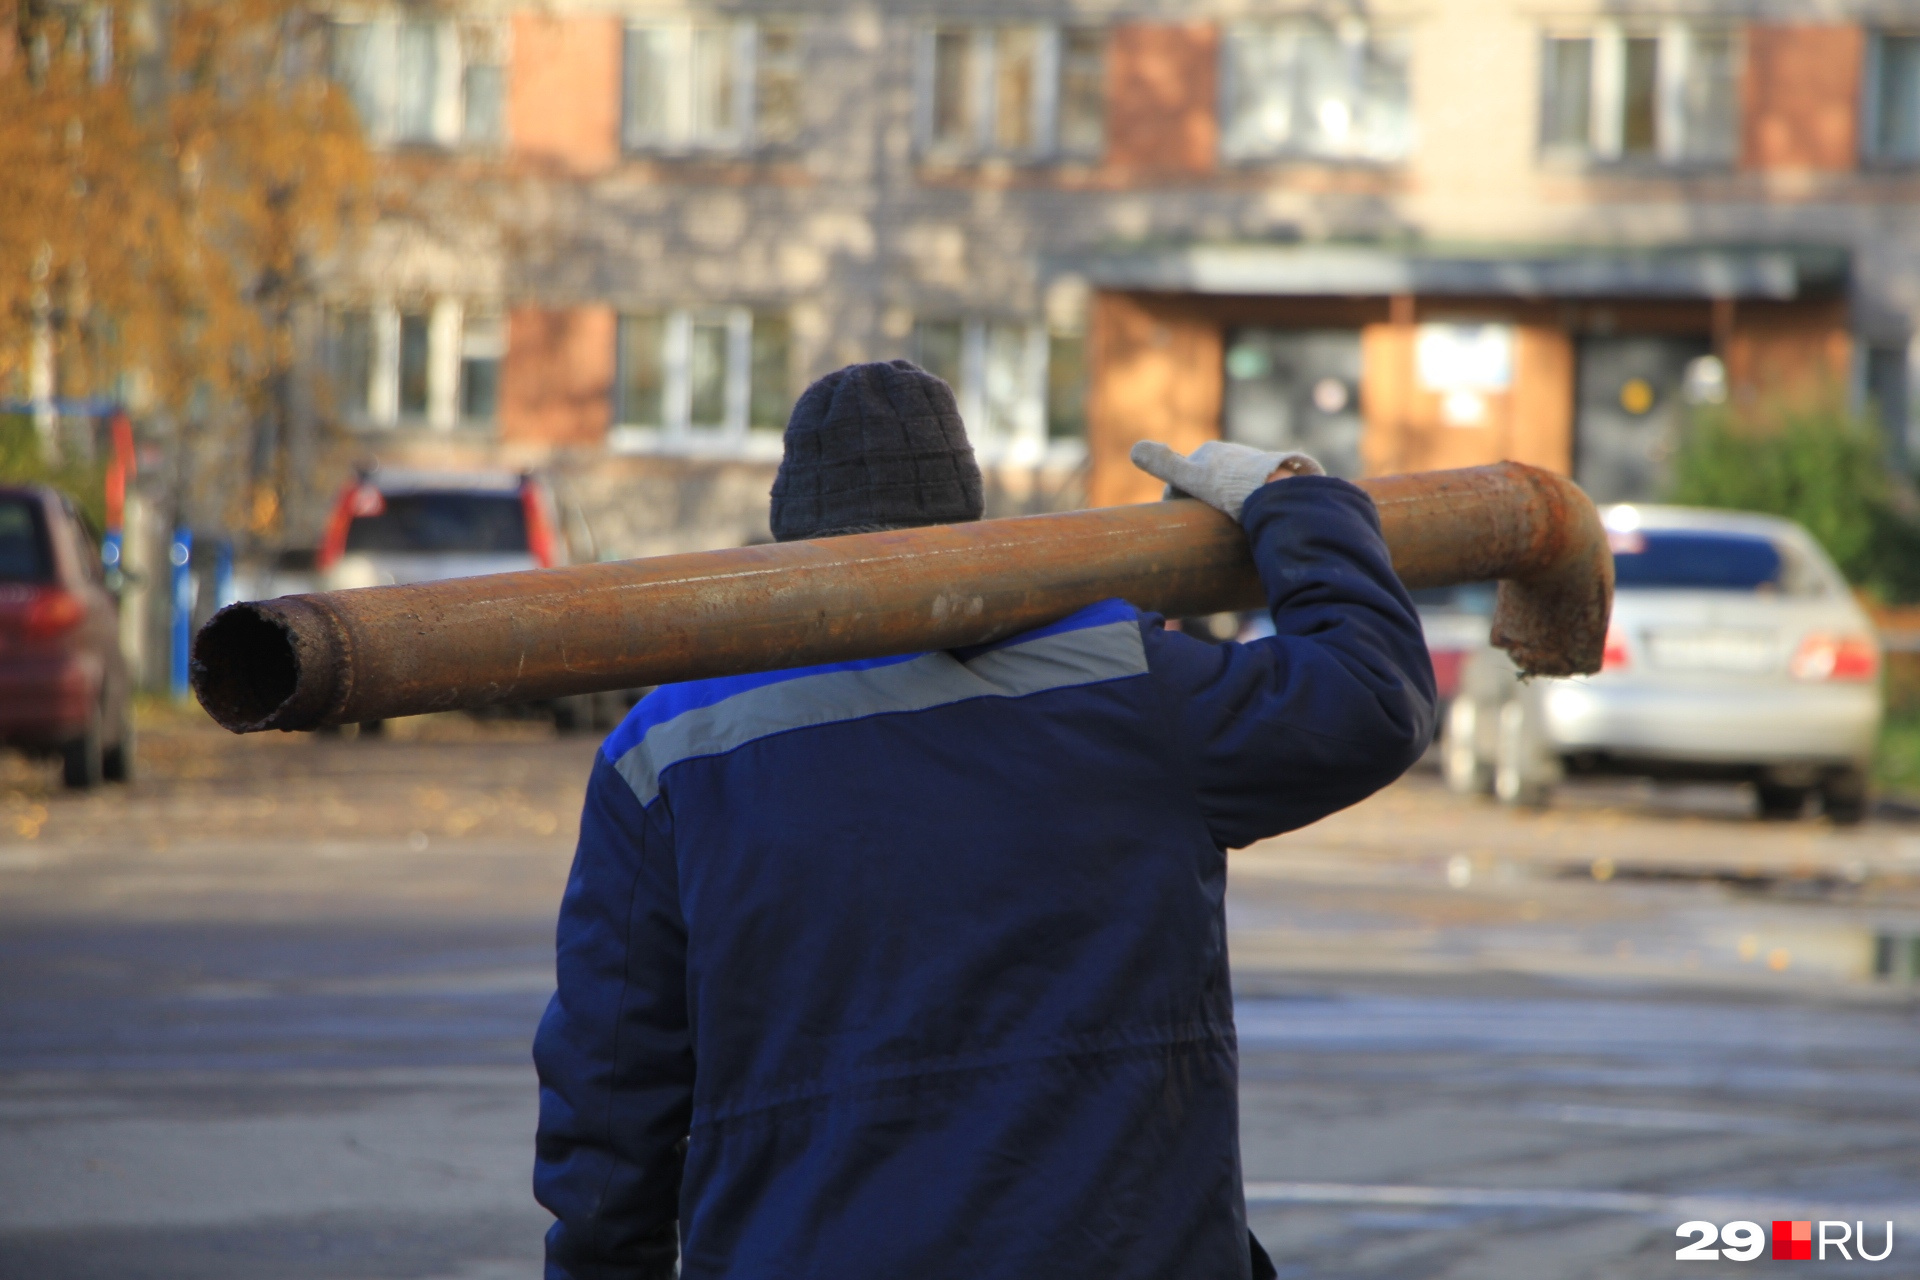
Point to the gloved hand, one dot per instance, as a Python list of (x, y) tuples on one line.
[(1220, 474)]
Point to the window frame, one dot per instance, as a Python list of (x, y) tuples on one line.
[(1029, 439), (680, 134), (1366, 45), (676, 433), (458, 45), (982, 141), (1674, 148), (1872, 101), (444, 370)]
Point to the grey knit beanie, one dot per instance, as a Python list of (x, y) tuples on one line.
[(874, 446)]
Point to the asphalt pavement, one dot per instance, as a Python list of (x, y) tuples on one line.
[(266, 1013)]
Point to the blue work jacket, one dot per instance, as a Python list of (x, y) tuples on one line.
[(917, 966)]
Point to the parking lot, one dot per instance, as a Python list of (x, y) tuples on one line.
[(266, 1012)]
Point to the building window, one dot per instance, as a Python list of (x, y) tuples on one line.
[(1308, 88), (483, 108), (1668, 96), (694, 86), (414, 347), (776, 83), (701, 378), (639, 382), (350, 360), (483, 344), (1083, 90), (1018, 91), (422, 82), (1066, 386), (770, 390), (1014, 398), (1893, 98), (422, 364)]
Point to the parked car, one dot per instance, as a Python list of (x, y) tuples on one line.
[(395, 526), (424, 526), (1735, 652), (1456, 621), (64, 688)]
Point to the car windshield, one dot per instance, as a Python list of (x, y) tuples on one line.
[(479, 523), (1699, 560), (23, 547)]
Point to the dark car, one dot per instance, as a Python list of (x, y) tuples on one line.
[(63, 682)]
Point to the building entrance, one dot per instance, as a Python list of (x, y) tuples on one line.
[(1296, 389), (1632, 404)]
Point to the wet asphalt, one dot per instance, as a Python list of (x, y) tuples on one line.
[(267, 1014)]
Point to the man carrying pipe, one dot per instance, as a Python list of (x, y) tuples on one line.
[(916, 966)]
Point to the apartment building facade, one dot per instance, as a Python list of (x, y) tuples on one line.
[(1399, 235)]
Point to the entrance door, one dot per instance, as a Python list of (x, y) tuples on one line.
[(1296, 389), (1630, 412)]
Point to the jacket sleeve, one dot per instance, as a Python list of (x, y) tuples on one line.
[(1277, 733), (613, 1053)]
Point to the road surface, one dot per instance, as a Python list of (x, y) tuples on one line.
[(267, 1013)]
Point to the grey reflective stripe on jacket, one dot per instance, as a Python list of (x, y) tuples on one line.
[(829, 695)]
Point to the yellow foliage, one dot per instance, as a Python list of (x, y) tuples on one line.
[(161, 215)]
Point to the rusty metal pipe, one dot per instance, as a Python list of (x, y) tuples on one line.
[(302, 662)]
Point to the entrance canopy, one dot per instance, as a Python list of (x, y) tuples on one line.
[(1778, 274)]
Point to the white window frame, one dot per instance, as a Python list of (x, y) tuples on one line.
[(1606, 78), (678, 134), (1025, 442), (1870, 149), (472, 342), (677, 433), (445, 325), (984, 100), (1358, 40), (453, 41)]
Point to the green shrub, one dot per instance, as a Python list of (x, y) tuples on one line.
[(1822, 466), (22, 462)]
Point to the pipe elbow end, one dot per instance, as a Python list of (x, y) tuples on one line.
[(1552, 618)]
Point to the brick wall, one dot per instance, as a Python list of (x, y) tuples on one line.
[(563, 95), (556, 388), (1163, 97), (1802, 97)]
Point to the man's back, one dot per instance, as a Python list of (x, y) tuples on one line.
[(926, 956)]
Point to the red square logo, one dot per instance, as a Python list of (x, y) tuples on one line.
[(1792, 1241)]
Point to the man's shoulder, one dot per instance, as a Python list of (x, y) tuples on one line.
[(709, 717)]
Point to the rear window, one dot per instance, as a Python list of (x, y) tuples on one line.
[(480, 523), (1691, 559), (23, 543)]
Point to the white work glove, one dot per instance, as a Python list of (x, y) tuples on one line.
[(1220, 474)]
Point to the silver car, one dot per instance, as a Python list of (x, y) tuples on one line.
[(393, 526), (396, 526), (1735, 652)]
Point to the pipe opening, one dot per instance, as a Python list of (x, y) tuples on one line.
[(244, 667)]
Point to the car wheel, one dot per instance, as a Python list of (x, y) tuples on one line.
[(1461, 765), (1843, 797), (373, 728), (116, 761), (83, 760), (1780, 804), (1522, 773)]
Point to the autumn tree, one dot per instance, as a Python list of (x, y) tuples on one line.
[(169, 170)]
